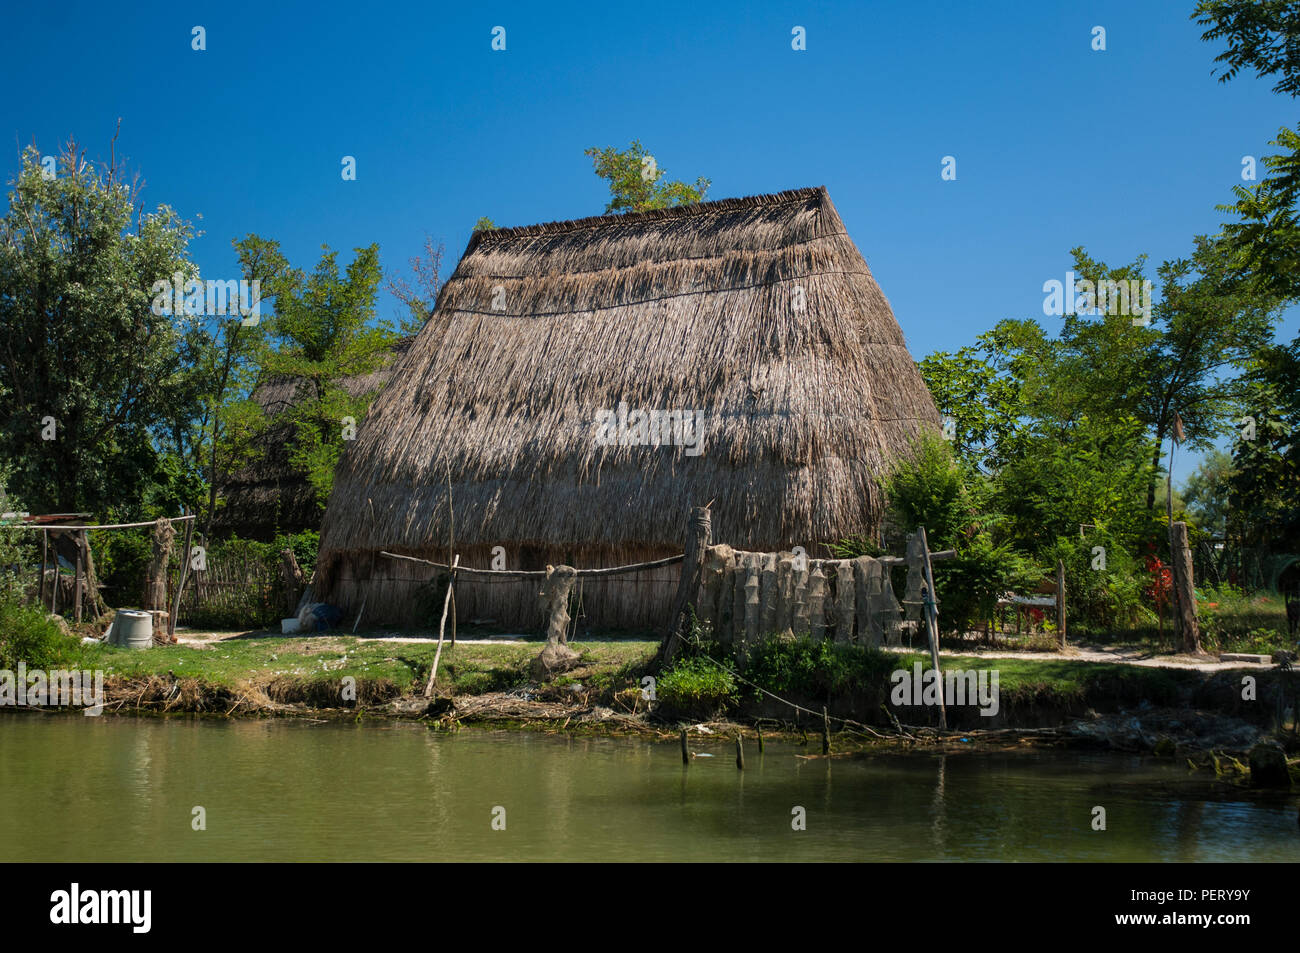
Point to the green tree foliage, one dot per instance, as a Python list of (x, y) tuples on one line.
[(931, 488), (1206, 492), (1264, 487), (325, 332), (1263, 36), (638, 184), (80, 342)]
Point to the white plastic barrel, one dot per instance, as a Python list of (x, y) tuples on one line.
[(133, 629)]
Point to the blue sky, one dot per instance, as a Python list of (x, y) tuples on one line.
[(1125, 151)]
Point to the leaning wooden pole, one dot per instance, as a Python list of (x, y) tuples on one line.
[(446, 600), (180, 585), (932, 624)]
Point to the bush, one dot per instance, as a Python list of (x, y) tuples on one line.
[(305, 546), (695, 683), (1102, 600), (122, 560), (1233, 620), (28, 634), (970, 584), (931, 488), (818, 670)]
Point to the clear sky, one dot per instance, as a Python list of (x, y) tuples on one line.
[(1124, 151)]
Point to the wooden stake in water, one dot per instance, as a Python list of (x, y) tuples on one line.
[(686, 751), (826, 732), (760, 739), (740, 753)]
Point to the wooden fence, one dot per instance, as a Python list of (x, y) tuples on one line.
[(234, 590)]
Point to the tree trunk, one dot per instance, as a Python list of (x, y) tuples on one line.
[(1186, 624), (155, 583)]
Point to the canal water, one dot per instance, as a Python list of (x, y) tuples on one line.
[(74, 788)]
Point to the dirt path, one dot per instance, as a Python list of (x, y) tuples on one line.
[(1117, 654), (189, 637)]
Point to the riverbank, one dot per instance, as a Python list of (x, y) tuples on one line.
[(1177, 710)]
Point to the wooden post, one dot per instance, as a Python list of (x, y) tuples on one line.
[(76, 591), (54, 596), (932, 623), (686, 751), (180, 585), (1186, 623), (433, 672), (688, 586), (826, 732), (45, 545), (1060, 599), (155, 583), (760, 739), (740, 753), (294, 581)]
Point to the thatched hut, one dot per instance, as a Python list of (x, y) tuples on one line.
[(270, 495), (757, 316)]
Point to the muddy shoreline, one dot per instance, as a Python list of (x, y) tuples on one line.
[(1198, 737)]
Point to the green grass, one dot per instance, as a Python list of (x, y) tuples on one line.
[(465, 669)]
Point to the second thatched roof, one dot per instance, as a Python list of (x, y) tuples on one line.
[(758, 312)]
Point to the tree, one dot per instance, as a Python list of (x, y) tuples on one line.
[(636, 182), (91, 374), (1206, 492), (225, 363), (984, 389), (326, 333), (420, 292), (1264, 486), (1264, 36)]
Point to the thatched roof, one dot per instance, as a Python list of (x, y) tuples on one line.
[(270, 495), (543, 327)]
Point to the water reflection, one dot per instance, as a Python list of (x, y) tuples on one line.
[(123, 789)]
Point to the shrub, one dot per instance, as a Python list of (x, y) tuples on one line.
[(122, 560), (1233, 620), (693, 683), (970, 584), (818, 669), (1100, 599), (931, 488), (28, 634)]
